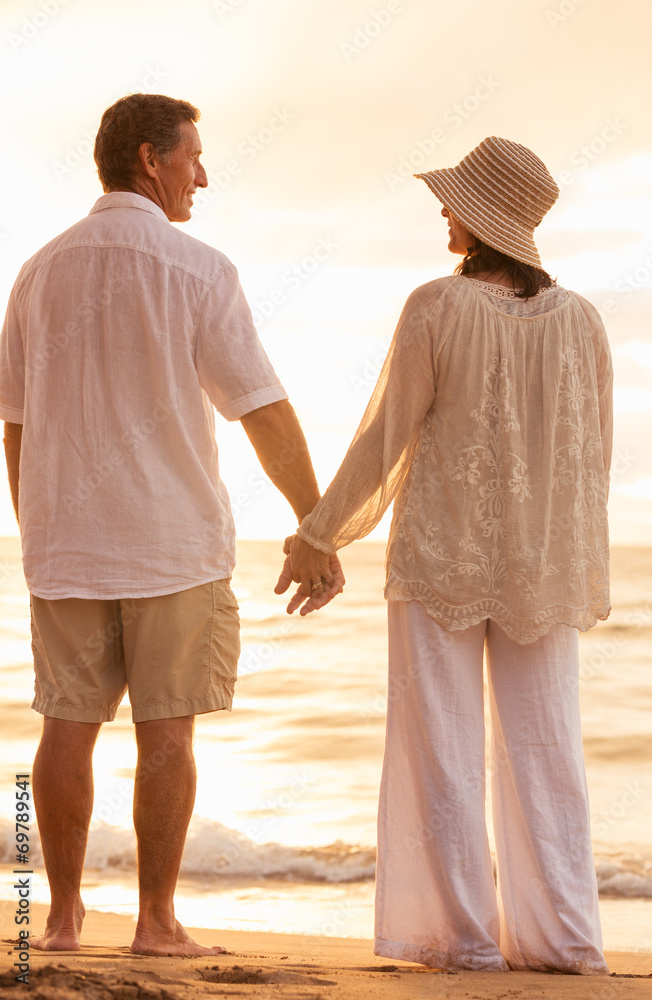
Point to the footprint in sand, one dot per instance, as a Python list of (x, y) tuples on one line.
[(238, 974)]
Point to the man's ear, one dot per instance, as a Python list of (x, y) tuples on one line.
[(147, 159)]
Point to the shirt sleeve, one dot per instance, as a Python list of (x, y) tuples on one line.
[(379, 458), (232, 365), (12, 367)]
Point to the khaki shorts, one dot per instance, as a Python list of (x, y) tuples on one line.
[(176, 654)]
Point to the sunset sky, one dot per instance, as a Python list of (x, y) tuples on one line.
[(314, 116)]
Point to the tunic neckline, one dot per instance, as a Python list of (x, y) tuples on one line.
[(480, 286)]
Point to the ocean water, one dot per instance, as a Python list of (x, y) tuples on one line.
[(283, 836)]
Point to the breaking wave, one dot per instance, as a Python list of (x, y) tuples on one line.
[(214, 850)]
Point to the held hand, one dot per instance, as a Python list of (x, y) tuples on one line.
[(320, 576), (305, 565), (286, 577), (319, 598)]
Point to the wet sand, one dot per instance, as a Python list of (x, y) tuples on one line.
[(285, 966)]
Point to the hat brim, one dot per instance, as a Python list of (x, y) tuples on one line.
[(480, 218)]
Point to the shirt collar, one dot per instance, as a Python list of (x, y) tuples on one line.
[(127, 199)]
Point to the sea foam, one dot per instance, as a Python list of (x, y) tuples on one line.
[(214, 850)]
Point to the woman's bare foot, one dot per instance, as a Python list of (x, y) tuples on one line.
[(62, 930), (156, 940)]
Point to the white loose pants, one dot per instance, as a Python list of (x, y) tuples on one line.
[(436, 901)]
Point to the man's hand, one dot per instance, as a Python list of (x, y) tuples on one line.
[(319, 575)]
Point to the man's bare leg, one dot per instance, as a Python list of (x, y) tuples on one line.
[(63, 797), (164, 797)]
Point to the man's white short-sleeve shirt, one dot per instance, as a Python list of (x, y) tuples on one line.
[(120, 337)]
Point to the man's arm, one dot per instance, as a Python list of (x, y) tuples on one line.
[(13, 437), (282, 450)]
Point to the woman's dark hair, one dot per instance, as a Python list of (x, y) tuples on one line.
[(132, 120), (527, 278)]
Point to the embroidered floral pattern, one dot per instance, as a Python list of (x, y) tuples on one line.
[(504, 472)]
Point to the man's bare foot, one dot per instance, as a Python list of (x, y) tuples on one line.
[(62, 931), (150, 941)]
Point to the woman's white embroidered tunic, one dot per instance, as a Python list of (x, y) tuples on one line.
[(490, 426)]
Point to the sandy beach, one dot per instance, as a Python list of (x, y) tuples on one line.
[(285, 966), (281, 853)]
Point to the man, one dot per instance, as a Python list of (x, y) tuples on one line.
[(119, 336)]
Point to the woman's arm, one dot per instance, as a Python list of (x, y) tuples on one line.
[(381, 452)]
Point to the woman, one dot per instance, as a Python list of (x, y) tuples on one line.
[(490, 426)]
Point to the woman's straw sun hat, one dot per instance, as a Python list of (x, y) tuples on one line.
[(500, 192)]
